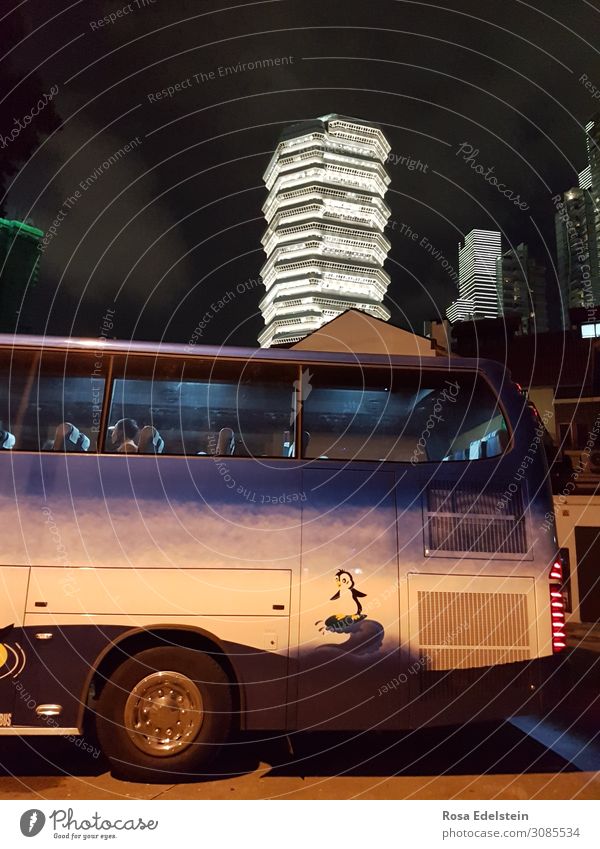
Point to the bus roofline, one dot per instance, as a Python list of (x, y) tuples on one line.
[(492, 368)]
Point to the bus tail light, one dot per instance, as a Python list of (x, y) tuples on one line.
[(556, 573), (557, 607)]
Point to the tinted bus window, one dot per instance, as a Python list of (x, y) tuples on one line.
[(400, 415), (168, 406), (51, 401)]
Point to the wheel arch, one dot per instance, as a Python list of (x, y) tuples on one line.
[(138, 639)]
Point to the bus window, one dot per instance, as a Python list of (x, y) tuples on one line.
[(400, 415), (169, 406), (51, 401)]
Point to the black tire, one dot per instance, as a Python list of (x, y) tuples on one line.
[(126, 758)]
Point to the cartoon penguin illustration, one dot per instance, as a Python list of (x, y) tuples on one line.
[(365, 635), (349, 596), (347, 593)]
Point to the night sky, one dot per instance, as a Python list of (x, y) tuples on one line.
[(175, 224)]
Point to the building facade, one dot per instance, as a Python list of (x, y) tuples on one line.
[(19, 263), (521, 282), (325, 215), (592, 140), (577, 252), (577, 224), (477, 288)]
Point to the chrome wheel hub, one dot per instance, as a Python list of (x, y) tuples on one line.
[(164, 713)]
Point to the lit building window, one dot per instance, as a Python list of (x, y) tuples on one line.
[(590, 331)]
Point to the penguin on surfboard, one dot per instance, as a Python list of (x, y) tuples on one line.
[(349, 596), (347, 592)]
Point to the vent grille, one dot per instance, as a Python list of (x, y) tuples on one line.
[(465, 519), (460, 630), (438, 660)]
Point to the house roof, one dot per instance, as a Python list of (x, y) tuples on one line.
[(354, 331)]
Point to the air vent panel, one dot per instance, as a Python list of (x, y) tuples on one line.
[(460, 519)]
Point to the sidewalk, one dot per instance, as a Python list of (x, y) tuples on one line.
[(582, 635), (574, 694)]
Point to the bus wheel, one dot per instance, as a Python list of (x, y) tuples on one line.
[(165, 711)]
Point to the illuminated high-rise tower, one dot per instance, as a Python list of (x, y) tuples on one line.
[(326, 215), (478, 293)]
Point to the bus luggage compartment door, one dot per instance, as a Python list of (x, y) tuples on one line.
[(349, 640), (470, 640)]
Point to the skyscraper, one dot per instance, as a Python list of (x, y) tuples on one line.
[(19, 260), (477, 290), (522, 288), (326, 215), (577, 252), (577, 224), (592, 140)]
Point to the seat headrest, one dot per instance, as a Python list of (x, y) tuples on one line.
[(475, 450), (150, 441), (70, 438), (7, 440), (225, 442)]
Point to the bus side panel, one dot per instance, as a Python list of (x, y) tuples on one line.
[(57, 668), (108, 524), (140, 511), (349, 658), (247, 609)]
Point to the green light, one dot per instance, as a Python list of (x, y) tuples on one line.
[(22, 227)]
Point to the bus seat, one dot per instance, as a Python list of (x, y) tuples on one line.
[(305, 441), (70, 438), (225, 442), (287, 449), (503, 437), (7, 440), (496, 443), (150, 441), (475, 450)]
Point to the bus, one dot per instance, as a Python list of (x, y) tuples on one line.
[(198, 541)]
